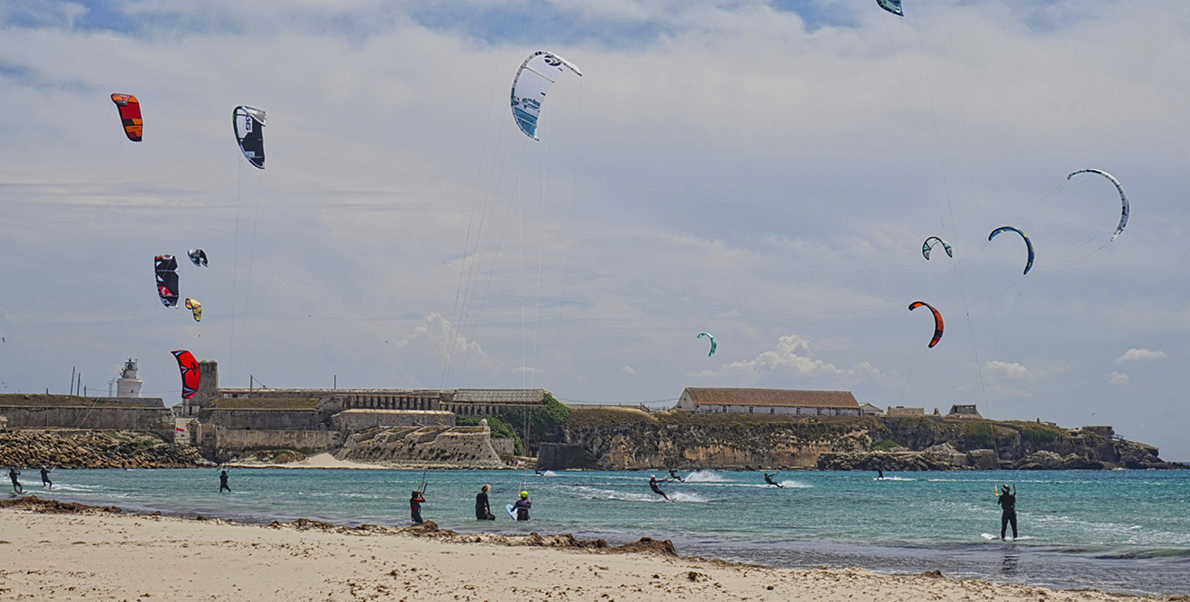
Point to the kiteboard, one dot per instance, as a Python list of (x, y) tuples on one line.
[(511, 511)]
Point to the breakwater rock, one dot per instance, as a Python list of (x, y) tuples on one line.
[(435, 446), (94, 449), (611, 439)]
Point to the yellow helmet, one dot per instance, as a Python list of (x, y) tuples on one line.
[(524, 495)]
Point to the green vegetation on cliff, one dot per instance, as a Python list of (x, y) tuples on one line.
[(516, 423)]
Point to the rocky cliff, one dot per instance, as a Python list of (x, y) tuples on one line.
[(93, 449), (448, 447), (633, 440)]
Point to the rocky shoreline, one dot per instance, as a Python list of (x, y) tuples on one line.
[(57, 448)]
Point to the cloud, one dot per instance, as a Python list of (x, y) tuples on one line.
[(628, 370), (1016, 371), (1117, 378), (438, 330), (1139, 354), (785, 358)]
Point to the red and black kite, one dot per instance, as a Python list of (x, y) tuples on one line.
[(189, 368), (129, 115), (937, 320)]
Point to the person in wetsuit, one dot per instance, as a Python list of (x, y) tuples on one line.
[(768, 478), (223, 482), (522, 506), (45, 478), (654, 484), (415, 502), (674, 475), (880, 473), (483, 511), (1007, 501), (13, 473)]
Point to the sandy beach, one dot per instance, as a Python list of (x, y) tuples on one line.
[(104, 555)]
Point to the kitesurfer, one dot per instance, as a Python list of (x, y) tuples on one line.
[(880, 474), (483, 511), (768, 478), (415, 502), (674, 475), (45, 478), (653, 483), (13, 473), (1007, 501), (223, 482), (522, 506)]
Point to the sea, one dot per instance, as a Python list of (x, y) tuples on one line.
[(1116, 531)]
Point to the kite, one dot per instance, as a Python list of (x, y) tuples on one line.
[(198, 257), (1123, 199), (926, 247), (249, 126), (167, 279), (129, 115), (531, 83), (892, 6), (1028, 243), (190, 375), (708, 335), (196, 307), (937, 320)]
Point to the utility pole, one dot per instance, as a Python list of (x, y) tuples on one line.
[(336, 381), (71, 380)]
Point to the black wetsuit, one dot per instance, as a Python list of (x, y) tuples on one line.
[(1008, 502), (522, 509), (223, 482), (879, 474), (653, 483), (769, 479), (415, 502), (45, 479), (16, 485), (483, 511), (675, 476)]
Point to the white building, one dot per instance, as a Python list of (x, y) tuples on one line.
[(128, 385), (783, 402)]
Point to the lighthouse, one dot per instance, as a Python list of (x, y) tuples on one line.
[(128, 385)]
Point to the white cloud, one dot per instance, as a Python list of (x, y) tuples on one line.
[(438, 330), (1017, 371), (1117, 378), (628, 370), (785, 358), (1139, 354)]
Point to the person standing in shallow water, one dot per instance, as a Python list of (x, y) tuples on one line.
[(45, 478), (483, 510), (1007, 501), (223, 486), (415, 502), (13, 473)]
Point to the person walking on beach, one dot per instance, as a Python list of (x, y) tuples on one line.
[(223, 482), (415, 502), (674, 475), (13, 473), (654, 484), (1007, 501), (522, 506), (768, 478), (483, 511), (45, 478)]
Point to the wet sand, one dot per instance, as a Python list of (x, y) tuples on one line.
[(86, 553)]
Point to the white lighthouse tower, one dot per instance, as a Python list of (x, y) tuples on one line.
[(128, 384)]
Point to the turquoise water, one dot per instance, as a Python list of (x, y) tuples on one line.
[(1121, 531)]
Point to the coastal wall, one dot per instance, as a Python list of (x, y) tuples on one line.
[(265, 419), (157, 420), (93, 449), (353, 421), (232, 442)]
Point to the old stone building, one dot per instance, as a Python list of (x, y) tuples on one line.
[(786, 402)]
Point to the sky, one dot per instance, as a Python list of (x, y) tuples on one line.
[(765, 171)]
